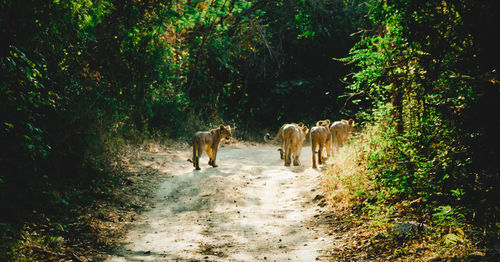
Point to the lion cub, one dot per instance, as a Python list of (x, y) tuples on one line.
[(341, 130), (208, 141), (279, 135), (320, 137), (293, 136)]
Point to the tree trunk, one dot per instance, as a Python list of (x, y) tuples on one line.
[(139, 107), (397, 104)]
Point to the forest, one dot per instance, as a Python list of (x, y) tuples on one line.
[(82, 78)]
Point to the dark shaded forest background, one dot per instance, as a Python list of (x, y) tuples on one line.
[(81, 78), (78, 76)]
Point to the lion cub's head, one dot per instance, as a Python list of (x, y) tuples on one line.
[(225, 132), (325, 123), (304, 130), (349, 123)]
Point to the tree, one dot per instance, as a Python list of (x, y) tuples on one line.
[(428, 60)]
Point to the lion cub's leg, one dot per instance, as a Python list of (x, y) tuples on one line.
[(214, 156), (208, 151), (282, 152), (197, 151), (328, 145), (313, 156), (194, 155), (288, 159), (335, 144), (313, 149), (288, 156), (211, 156), (296, 160), (210, 160), (296, 156), (320, 154)]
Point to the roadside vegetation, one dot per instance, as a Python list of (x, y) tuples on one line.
[(424, 159)]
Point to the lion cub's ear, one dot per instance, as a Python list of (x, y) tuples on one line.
[(222, 127), (300, 124), (305, 129), (351, 122), (325, 122)]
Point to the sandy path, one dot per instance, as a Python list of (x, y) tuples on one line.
[(250, 208)]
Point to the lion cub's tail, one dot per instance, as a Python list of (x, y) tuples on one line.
[(268, 138)]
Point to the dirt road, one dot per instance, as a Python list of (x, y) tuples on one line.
[(250, 208)]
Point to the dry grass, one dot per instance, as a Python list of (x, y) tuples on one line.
[(347, 178)]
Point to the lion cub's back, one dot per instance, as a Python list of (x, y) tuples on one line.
[(202, 137), (318, 130), (339, 127), (290, 133)]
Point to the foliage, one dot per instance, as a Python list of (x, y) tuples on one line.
[(233, 55), (429, 60), (59, 103), (377, 204)]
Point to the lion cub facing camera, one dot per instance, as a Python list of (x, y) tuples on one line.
[(208, 141)]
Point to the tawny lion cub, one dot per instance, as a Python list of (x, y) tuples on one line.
[(320, 138), (293, 136), (341, 130), (279, 136), (208, 141)]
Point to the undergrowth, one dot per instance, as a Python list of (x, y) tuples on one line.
[(68, 219), (371, 184)]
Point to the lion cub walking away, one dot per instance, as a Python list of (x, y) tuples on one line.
[(293, 136), (208, 141), (341, 130), (279, 136), (320, 137)]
